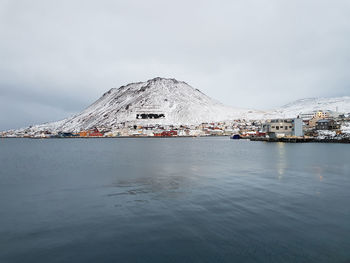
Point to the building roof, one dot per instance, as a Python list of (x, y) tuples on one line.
[(323, 121)]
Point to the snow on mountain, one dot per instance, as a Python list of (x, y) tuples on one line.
[(291, 110), (156, 101), (168, 101)]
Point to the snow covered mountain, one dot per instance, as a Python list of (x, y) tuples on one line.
[(168, 101), (293, 109), (156, 101)]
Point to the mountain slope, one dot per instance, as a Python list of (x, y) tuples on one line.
[(175, 101)]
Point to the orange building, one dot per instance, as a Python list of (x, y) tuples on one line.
[(83, 134)]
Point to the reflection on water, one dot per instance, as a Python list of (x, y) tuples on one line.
[(282, 160), (318, 170), (152, 187), (173, 200)]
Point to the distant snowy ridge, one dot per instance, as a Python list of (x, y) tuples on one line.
[(293, 109)]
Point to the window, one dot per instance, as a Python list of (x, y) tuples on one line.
[(277, 127)]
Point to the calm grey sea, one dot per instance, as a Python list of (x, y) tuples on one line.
[(173, 200)]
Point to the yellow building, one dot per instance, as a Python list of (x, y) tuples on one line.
[(319, 115), (322, 114)]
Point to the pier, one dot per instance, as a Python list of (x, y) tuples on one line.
[(300, 140)]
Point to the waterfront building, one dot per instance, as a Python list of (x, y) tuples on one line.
[(326, 125), (284, 127)]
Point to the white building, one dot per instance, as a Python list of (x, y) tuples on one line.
[(284, 127)]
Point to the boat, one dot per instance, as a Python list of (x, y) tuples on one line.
[(235, 136)]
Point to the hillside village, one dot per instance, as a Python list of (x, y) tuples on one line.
[(318, 124)]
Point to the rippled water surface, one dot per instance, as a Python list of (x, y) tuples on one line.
[(173, 200)]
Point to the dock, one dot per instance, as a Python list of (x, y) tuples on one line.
[(300, 140)]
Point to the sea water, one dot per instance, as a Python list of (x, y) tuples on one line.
[(173, 200)]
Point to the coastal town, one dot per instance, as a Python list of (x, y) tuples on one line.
[(320, 125)]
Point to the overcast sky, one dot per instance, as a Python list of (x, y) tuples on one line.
[(57, 57)]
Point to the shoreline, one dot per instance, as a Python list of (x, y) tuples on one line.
[(254, 139)]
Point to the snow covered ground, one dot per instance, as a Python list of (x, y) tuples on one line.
[(345, 129), (326, 135), (345, 133)]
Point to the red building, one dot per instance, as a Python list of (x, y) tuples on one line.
[(166, 134), (261, 134), (95, 133)]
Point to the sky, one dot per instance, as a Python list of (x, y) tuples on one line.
[(58, 57)]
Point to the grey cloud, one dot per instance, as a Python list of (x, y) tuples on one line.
[(62, 55)]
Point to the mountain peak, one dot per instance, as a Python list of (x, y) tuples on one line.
[(155, 81), (160, 79), (165, 80)]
